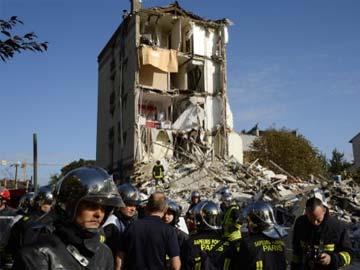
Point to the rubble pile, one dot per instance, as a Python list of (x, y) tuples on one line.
[(211, 176)]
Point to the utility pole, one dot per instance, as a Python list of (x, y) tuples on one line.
[(23, 166), (16, 165), (16, 175), (35, 160)]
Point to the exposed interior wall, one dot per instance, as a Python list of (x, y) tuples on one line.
[(162, 145), (212, 77), (139, 101), (154, 78), (213, 113), (229, 117), (205, 41)]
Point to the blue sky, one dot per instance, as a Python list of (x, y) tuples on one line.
[(293, 64)]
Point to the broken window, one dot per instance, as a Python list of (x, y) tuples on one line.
[(155, 110)]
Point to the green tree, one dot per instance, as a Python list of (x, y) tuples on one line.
[(10, 43), (291, 151), (338, 164), (73, 165)]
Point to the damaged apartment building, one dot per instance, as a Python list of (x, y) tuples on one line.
[(162, 90)]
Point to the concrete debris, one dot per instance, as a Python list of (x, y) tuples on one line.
[(213, 177)]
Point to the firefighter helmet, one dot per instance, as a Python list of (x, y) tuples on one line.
[(26, 202), (195, 194), (227, 199), (175, 209), (88, 183), (261, 215), (207, 216), (44, 195), (129, 194)]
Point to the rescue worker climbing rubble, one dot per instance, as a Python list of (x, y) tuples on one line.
[(84, 198), (158, 173), (263, 248), (320, 241)]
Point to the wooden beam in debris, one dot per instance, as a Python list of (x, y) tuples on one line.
[(281, 169)]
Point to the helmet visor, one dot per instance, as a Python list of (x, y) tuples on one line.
[(104, 193)]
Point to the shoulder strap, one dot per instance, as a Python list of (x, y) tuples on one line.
[(213, 250), (77, 255)]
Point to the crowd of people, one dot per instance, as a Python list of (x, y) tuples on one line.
[(87, 222)]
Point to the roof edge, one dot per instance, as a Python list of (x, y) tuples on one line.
[(354, 137)]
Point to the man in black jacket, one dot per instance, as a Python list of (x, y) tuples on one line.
[(320, 241), (32, 207), (148, 241), (84, 198), (7, 219)]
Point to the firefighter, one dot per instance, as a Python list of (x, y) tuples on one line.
[(122, 217), (32, 206), (172, 217), (230, 221), (189, 216), (84, 198), (5, 209), (7, 218), (206, 248), (158, 173), (320, 241), (263, 248), (26, 203)]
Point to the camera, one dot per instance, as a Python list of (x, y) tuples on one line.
[(314, 253)]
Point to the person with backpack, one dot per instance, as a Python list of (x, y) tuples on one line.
[(206, 248)]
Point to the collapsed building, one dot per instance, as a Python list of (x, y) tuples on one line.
[(162, 90), (162, 96)]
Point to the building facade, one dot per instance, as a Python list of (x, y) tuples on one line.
[(162, 89)]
